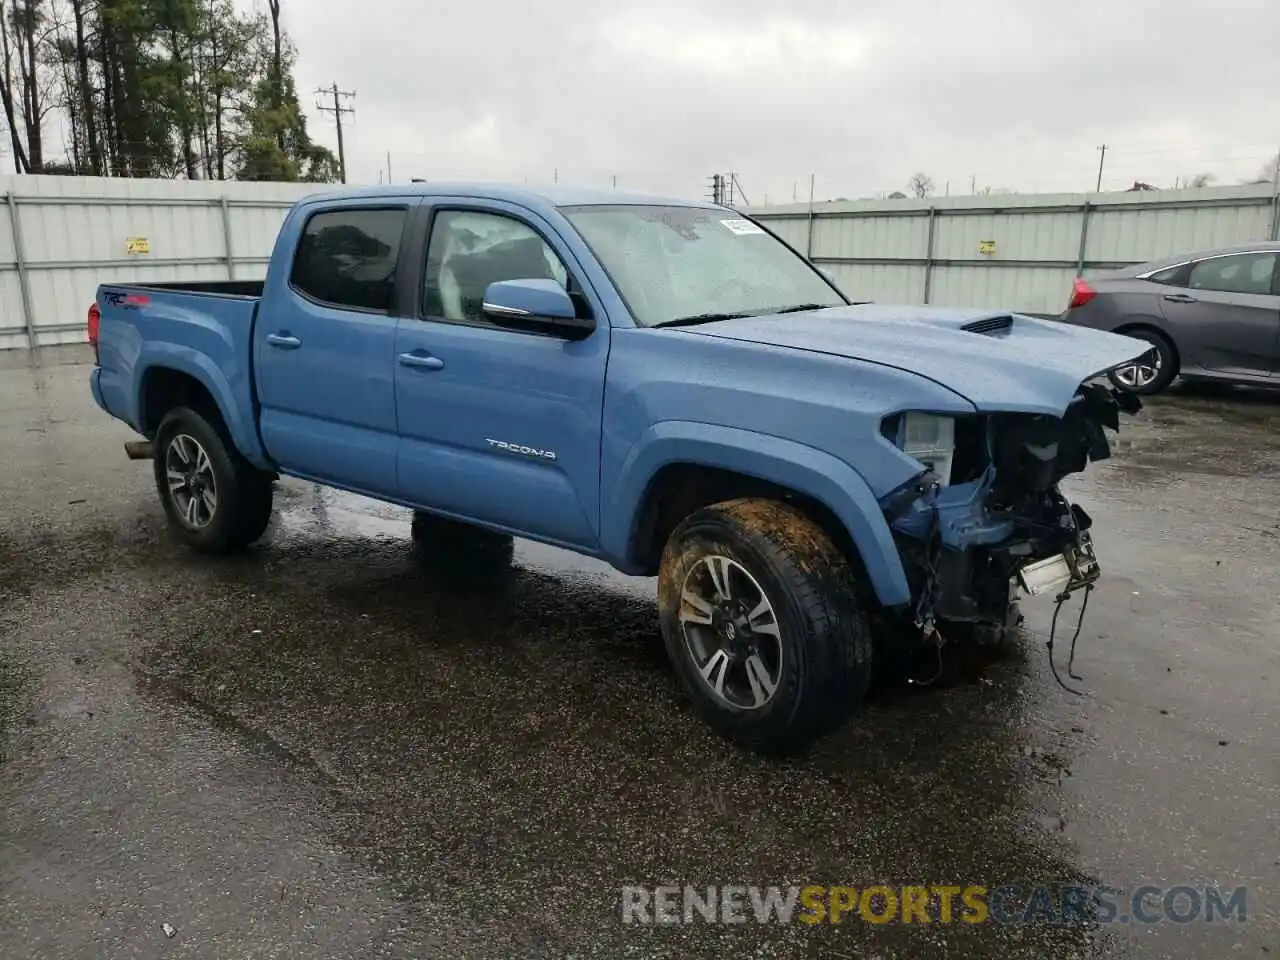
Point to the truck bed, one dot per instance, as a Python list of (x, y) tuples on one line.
[(202, 329), (218, 288)]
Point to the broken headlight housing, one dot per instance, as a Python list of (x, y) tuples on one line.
[(929, 438)]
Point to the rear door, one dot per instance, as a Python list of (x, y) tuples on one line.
[(499, 425), (324, 349), (1224, 312)]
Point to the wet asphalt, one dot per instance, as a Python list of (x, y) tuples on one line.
[(334, 746)]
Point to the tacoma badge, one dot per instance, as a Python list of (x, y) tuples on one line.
[(522, 449)]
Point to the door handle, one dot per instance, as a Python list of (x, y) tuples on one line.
[(1179, 298), (425, 361), (283, 341)]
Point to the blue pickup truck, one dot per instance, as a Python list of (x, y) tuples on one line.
[(663, 384)]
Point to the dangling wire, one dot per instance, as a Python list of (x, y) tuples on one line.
[(1053, 629), (939, 642), (1071, 659), (925, 621)]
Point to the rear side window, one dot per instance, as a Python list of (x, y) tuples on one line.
[(1243, 273), (1173, 276), (347, 258)]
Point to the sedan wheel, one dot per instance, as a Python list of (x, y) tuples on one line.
[(1137, 376), (1151, 372)]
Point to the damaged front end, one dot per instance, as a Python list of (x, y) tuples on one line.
[(986, 517)]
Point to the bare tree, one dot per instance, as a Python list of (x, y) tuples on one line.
[(1198, 180), (1268, 171), (920, 185), (9, 90)]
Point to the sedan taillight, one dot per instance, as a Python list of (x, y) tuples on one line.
[(1081, 293)]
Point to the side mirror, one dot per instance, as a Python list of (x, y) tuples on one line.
[(537, 305)]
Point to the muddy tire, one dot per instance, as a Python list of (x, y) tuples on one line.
[(762, 622), (216, 501), (442, 538)]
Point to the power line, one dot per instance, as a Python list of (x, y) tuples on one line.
[(337, 110)]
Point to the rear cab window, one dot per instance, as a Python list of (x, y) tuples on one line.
[(347, 257)]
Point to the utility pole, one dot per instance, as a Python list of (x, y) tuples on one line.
[(337, 110), (1275, 199), (1101, 160), (717, 188)]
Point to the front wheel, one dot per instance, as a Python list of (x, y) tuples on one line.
[(216, 501), (762, 620), (1151, 372)]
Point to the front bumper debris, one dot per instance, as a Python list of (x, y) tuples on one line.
[(1001, 525), (1064, 574)]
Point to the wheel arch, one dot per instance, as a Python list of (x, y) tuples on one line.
[(681, 466), (1131, 325), (171, 375)]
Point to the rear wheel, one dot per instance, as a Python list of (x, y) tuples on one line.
[(762, 621), (216, 501), (1150, 373)]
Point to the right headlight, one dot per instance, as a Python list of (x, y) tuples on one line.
[(929, 438)]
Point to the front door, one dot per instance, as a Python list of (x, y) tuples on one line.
[(324, 349), (497, 425), (1225, 316)]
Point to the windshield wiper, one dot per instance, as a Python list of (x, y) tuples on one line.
[(801, 307), (700, 318)]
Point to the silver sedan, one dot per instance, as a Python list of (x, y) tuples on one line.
[(1213, 315)]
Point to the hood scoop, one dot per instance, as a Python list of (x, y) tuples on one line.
[(990, 325)]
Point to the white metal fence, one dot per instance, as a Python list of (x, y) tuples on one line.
[(62, 236), (1017, 252)]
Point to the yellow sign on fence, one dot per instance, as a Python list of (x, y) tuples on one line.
[(986, 247), (137, 245)]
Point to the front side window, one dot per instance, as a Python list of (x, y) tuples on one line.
[(673, 263), (470, 250), (348, 257), (1243, 273)]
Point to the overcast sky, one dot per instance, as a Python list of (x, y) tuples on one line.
[(1014, 93), (1017, 93)]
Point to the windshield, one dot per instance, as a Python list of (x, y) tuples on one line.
[(673, 263)]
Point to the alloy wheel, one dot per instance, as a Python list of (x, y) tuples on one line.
[(192, 484), (731, 632), (1141, 373)]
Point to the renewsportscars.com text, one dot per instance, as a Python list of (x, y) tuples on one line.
[(910, 904)]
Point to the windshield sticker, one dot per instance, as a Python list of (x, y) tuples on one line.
[(742, 228)]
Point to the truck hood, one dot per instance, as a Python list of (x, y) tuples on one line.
[(998, 361)]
